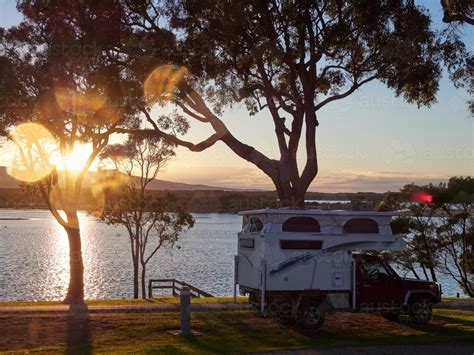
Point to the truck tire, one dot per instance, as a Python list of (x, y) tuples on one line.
[(420, 311), (313, 317)]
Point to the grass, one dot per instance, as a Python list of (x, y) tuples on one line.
[(110, 302), (240, 331), (454, 299)]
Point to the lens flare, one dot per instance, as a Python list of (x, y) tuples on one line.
[(78, 157), (162, 82), (46, 107), (79, 103), (110, 183), (34, 146), (421, 197), (106, 115)]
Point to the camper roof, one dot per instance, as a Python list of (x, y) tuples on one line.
[(287, 211)]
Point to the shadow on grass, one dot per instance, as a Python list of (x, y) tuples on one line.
[(78, 334), (242, 332), (458, 320), (447, 331)]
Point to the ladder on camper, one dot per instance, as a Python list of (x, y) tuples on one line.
[(175, 286)]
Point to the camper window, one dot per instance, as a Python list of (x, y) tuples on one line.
[(301, 244), (247, 243), (361, 225), (302, 225), (252, 224)]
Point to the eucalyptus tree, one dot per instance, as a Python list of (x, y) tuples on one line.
[(290, 59), (58, 90), (151, 222)]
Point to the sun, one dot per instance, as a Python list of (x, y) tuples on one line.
[(78, 158), (74, 161)]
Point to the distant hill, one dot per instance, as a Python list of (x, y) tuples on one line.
[(196, 198), (6, 181)]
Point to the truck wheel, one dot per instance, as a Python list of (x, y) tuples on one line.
[(420, 311), (313, 317)]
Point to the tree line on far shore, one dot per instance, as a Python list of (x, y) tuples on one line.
[(210, 201)]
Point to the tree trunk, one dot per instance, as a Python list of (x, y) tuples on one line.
[(135, 276), (433, 274), (75, 293), (143, 281), (136, 267), (415, 274), (466, 285), (469, 290), (288, 196), (424, 271)]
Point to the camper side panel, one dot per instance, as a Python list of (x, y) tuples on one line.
[(290, 268), (250, 253)]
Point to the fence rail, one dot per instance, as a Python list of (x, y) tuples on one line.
[(175, 286)]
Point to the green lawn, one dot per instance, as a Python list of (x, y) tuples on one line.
[(233, 331), (454, 299)]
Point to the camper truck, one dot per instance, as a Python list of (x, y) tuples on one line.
[(300, 265)]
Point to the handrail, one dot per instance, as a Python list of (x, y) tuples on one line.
[(176, 287)]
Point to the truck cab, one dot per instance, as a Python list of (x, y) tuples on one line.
[(380, 289)]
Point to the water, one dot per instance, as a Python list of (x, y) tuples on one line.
[(34, 260), (34, 257)]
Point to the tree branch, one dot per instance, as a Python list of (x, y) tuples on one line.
[(353, 88)]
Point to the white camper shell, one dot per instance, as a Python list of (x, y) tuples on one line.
[(293, 250)]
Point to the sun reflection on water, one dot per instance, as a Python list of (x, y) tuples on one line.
[(58, 275)]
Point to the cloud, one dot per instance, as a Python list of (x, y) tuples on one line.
[(326, 181), (373, 181)]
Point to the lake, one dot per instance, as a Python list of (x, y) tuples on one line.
[(34, 257)]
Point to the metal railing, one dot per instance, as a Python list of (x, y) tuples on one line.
[(175, 286)]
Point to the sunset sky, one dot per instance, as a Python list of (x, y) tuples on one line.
[(371, 141)]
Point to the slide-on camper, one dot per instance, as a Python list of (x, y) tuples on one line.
[(299, 265)]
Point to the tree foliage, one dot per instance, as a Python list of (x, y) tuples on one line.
[(290, 59), (151, 222)]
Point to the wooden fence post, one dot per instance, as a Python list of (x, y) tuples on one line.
[(185, 311)]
